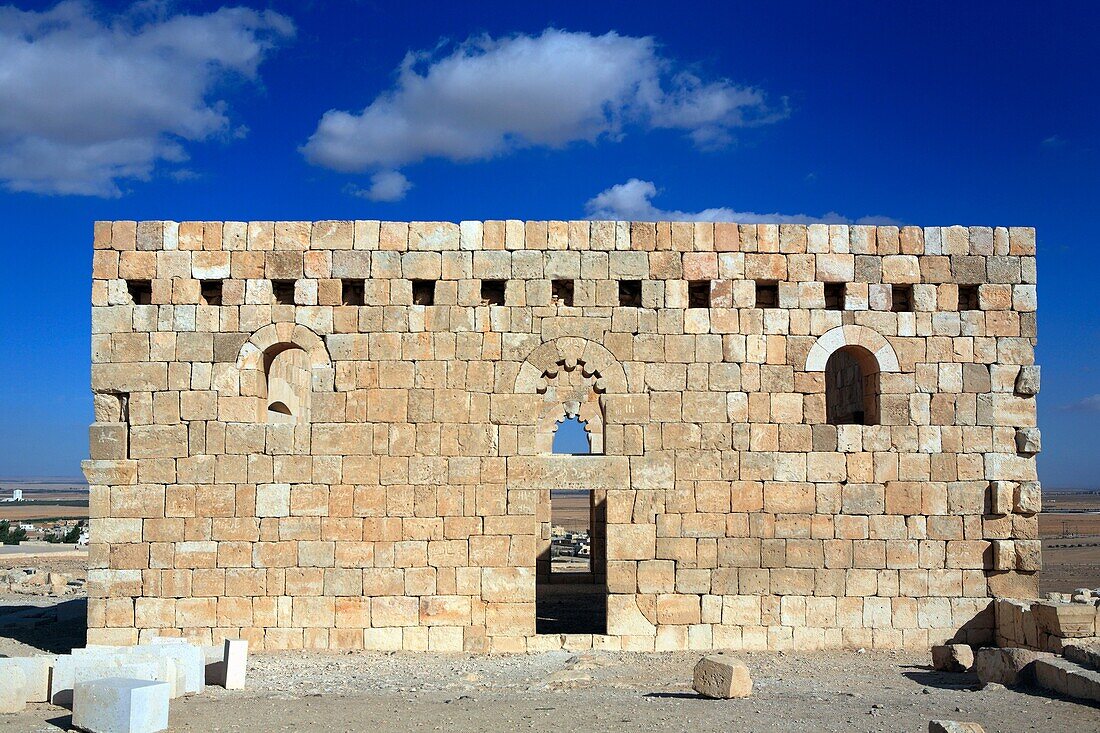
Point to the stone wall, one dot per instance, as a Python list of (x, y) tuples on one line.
[(382, 484)]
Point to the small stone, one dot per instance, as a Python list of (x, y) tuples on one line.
[(722, 676), (953, 726), (952, 657)]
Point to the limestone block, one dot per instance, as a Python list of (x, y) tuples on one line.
[(119, 705), (952, 657), (1007, 667), (36, 675), (92, 664), (1065, 620), (189, 659), (107, 440), (721, 676), (1001, 496), (953, 726), (1029, 441), (1086, 655), (1028, 498), (13, 690), (1004, 555), (235, 659), (1027, 380), (1029, 555)]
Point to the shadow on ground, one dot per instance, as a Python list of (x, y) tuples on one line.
[(56, 629)]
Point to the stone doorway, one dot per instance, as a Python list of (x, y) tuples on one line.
[(571, 568)]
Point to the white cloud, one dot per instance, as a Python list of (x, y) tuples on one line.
[(87, 103), (1086, 404), (633, 201), (384, 186), (490, 96)]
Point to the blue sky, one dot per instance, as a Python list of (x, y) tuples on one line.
[(929, 113)]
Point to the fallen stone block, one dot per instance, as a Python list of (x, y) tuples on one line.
[(1086, 655), (235, 659), (91, 664), (953, 726), (36, 671), (117, 705), (13, 695), (952, 657), (722, 676), (1007, 667)]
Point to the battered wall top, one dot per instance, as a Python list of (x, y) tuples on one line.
[(514, 234)]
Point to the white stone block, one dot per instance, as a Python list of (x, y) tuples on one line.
[(36, 670), (190, 662), (235, 658), (118, 705), (85, 665), (13, 691)]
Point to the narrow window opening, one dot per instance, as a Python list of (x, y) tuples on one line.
[(141, 291), (423, 292), (288, 381), (699, 294), (562, 292), (630, 293), (834, 296), (767, 294), (351, 292), (852, 387), (283, 290), (492, 292), (211, 292), (901, 299), (968, 298)]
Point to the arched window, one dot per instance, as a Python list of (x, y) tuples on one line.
[(571, 437), (852, 387), (288, 381)]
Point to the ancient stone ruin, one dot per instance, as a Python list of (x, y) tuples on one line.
[(340, 434)]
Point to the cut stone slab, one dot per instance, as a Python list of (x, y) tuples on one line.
[(190, 661), (93, 664), (952, 657), (13, 695), (722, 676), (36, 670), (235, 658), (953, 726), (118, 705), (1086, 655), (1007, 667)]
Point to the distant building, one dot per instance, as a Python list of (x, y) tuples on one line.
[(16, 495)]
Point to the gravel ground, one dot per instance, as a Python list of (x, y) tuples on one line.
[(604, 691)]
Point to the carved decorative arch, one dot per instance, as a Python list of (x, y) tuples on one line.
[(572, 375), (251, 355), (837, 338)]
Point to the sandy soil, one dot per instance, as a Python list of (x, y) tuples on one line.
[(596, 691)]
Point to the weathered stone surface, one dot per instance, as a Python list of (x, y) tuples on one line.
[(952, 657), (118, 705), (721, 676), (13, 691), (1007, 667), (1029, 441), (1027, 381)]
